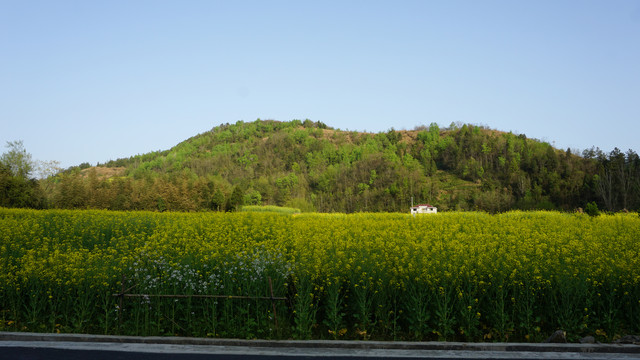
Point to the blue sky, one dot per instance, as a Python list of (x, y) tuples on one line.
[(91, 81)]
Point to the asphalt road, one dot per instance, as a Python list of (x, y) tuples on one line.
[(117, 351), (25, 346)]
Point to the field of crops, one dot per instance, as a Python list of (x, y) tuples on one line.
[(516, 276)]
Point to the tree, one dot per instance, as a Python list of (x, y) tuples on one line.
[(633, 163), (217, 200), (626, 174), (605, 182), (9, 187), (592, 209), (252, 197), (236, 199), (17, 188), (18, 160), (72, 193)]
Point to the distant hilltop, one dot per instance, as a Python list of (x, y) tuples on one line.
[(313, 167)]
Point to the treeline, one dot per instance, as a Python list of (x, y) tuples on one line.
[(18, 189), (310, 166)]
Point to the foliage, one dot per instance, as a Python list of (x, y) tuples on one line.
[(592, 209), (236, 199), (618, 179), (17, 187), (270, 208), (307, 165), (517, 276), (18, 160)]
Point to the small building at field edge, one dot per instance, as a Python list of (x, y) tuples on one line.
[(423, 209)]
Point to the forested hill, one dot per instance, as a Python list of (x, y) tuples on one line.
[(310, 166)]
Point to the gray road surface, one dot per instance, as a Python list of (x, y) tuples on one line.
[(70, 347)]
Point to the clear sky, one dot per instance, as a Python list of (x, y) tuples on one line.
[(91, 81)]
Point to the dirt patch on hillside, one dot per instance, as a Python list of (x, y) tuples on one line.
[(104, 172), (408, 136)]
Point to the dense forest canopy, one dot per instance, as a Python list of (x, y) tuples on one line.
[(310, 166)]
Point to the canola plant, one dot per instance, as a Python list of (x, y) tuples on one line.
[(468, 276)]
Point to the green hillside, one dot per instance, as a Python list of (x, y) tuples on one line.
[(313, 167)]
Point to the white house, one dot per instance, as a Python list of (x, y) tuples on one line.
[(423, 209)]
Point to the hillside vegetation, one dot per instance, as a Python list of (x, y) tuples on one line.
[(312, 167)]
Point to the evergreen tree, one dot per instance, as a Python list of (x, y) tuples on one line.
[(236, 199), (217, 201)]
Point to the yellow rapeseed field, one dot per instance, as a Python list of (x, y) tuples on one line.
[(451, 276)]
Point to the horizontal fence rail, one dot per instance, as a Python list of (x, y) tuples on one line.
[(203, 296), (125, 294)]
